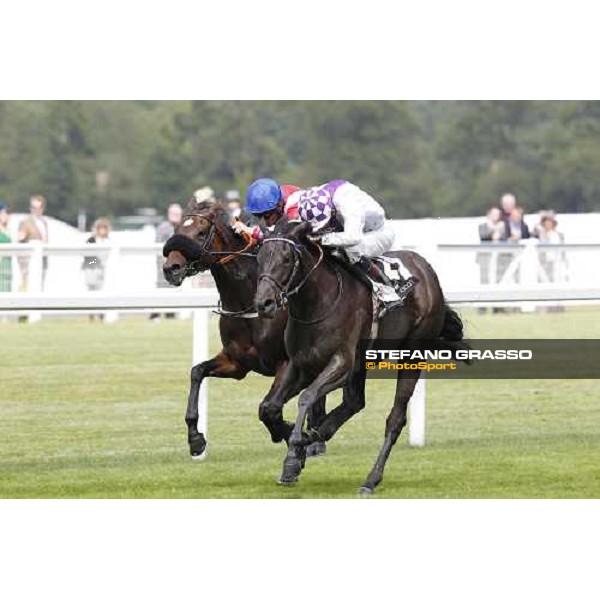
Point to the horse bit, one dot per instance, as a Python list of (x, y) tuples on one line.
[(226, 256)]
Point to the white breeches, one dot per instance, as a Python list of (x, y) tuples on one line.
[(373, 243)]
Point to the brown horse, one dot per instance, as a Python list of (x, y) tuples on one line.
[(330, 311), (205, 240)]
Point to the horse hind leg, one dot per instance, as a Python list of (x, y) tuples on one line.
[(219, 366), (353, 401), (396, 420)]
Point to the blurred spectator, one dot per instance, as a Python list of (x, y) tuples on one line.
[(493, 230), (234, 207), (512, 215), (33, 228), (204, 194), (507, 203), (517, 228), (538, 227), (94, 267), (5, 261), (554, 261), (163, 232), (548, 233)]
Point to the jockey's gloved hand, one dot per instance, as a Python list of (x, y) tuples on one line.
[(240, 227), (315, 237)]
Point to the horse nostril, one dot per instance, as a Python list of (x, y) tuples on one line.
[(266, 307)]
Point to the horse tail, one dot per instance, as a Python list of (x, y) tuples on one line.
[(452, 334), (453, 329)]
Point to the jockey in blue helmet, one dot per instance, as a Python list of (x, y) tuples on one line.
[(268, 200)]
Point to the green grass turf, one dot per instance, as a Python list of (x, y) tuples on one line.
[(93, 410)]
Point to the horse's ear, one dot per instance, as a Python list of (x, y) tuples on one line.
[(301, 230), (217, 210)]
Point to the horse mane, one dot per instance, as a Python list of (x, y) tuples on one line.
[(281, 227), (209, 207), (295, 229)]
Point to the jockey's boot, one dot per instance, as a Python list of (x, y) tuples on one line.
[(370, 268), (360, 272)]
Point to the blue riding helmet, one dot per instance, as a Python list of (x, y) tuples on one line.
[(263, 195)]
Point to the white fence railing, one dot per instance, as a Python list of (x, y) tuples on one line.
[(60, 267), (135, 267)]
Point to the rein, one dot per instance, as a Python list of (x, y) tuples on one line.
[(227, 256), (245, 313), (284, 290)]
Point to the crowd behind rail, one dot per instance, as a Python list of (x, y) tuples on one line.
[(505, 224), (504, 227)]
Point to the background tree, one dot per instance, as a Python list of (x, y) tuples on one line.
[(418, 158)]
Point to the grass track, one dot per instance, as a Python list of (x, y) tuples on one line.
[(92, 410)]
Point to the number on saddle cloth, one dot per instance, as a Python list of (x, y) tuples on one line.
[(393, 268), (398, 275)]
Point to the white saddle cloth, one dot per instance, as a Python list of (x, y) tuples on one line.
[(393, 267)]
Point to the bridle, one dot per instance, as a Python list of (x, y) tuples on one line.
[(285, 291), (226, 256)]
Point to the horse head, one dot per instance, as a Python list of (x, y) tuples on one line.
[(280, 265), (204, 230)]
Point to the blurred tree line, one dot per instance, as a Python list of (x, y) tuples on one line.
[(419, 158)]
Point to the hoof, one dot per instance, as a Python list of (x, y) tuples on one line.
[(316, 449), (289, 481), (197, 446), (292, 467), (365, 491)]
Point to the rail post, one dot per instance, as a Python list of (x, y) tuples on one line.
[(111, 282), (200, 334), (530, 267), (416, 415)]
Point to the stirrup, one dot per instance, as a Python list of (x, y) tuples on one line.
[(385, 308)]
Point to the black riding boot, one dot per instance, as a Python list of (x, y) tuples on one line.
[(372, 270)]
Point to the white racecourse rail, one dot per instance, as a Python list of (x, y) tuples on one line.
[(201, 301)]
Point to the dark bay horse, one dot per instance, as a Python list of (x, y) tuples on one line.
[(205, 240), (330, 310)]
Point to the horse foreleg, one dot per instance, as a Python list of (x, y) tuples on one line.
[(221, 365), (396, 420), (288, 382), (315, 417), (332, 377)]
